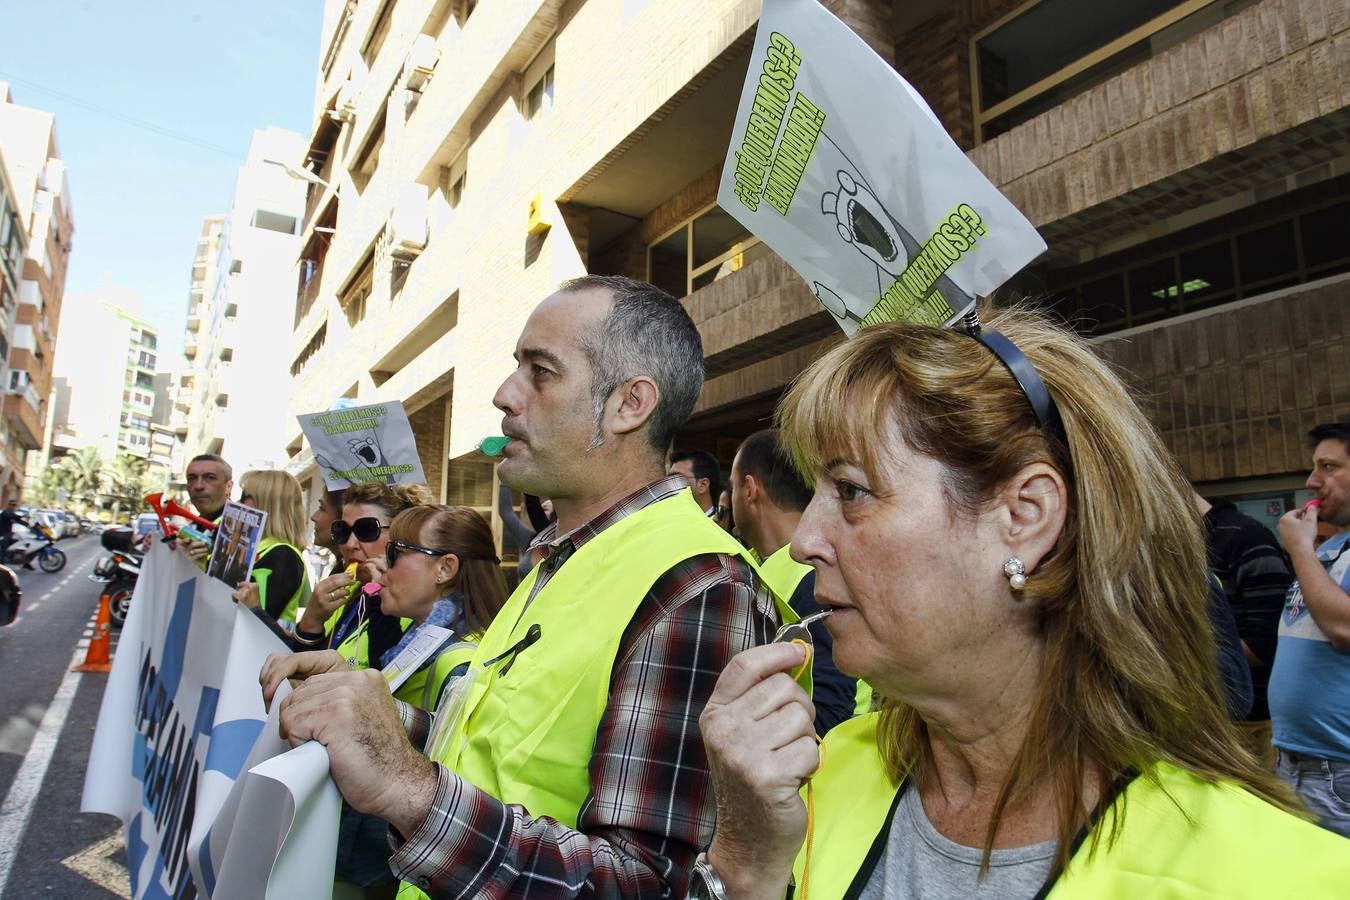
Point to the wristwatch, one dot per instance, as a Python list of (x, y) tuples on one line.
[(704, 882)]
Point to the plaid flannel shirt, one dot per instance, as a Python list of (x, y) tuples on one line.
[(651, 806)]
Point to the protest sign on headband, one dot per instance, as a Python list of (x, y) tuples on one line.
[(841, 168), (364, 444)]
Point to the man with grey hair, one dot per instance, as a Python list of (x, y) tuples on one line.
[(575, 762)]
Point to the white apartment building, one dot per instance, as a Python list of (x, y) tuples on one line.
[(239, 322), (109, 357)]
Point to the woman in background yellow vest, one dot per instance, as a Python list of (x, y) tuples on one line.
[(279, 567), (1014, 564)]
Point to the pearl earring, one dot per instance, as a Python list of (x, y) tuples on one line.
[(1016, 570)]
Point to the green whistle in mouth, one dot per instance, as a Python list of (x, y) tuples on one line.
[(494, 445)]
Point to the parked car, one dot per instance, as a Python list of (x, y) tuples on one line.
[(72, 523), (144, 524)]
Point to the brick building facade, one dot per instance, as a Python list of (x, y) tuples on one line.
[(1167, 145)]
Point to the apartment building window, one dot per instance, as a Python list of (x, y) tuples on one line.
[(378, 32), (146, 360), (1047, 51), (312, 346), (702, 249), (1245, 254), (272, 221), (353, 299), (538, 75), (145, 381), (368, 159), (11, 237), (540, 98)]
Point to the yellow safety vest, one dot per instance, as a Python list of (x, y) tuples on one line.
[(291, 612), (1180, 837), (355, 647), (526, 735), (783, 573)]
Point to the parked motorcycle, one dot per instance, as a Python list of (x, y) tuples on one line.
[(119, 569), (40, 545)]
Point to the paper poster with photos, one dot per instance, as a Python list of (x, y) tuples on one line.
[(236, 548)]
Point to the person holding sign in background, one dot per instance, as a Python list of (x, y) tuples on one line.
[(278, 585), (574, 764), (1027, 589), (209, 482)]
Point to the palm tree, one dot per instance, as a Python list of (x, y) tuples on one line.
[(84, 468), (53, 481), (123, 479)]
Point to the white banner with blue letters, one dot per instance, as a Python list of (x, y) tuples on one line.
[(180, 713)]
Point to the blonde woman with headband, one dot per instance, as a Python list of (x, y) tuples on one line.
[(1014, 562)]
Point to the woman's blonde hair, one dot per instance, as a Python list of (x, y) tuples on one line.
[(278, 494), (1130, 677)]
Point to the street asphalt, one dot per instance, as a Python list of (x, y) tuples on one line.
[(62, 853)]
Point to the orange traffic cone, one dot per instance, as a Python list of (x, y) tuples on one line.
[(99, 656)]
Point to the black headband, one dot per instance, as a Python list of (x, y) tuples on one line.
[(1042, 404)]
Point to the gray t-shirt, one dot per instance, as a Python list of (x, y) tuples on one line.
[(921, 864)]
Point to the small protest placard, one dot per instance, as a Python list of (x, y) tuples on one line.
[(364, 444), (428, 640), (236, 546), (841, 168)]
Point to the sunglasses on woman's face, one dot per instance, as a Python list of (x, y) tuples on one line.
[(394, 549), (367, 530)]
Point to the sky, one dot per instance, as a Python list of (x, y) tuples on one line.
[(155, 104)]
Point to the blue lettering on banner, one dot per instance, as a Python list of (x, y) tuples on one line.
[(164, 759)]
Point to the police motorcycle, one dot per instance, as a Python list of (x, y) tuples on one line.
[(119, 569), (38, 545)]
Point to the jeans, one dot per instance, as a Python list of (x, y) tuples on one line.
[(1322, 784)]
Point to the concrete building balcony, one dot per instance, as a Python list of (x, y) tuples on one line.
[(428, 376), (1258, 98), (487, 55)]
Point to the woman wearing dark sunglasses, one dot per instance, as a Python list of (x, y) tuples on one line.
[(440, 568), (360, 535)]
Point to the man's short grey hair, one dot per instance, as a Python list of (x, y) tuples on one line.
[(647, 332), (212, 457)]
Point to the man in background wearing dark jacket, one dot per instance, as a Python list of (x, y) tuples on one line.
[(1255, 574)]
